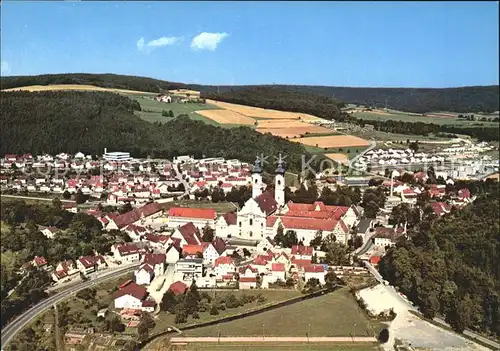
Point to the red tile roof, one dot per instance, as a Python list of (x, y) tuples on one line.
[(219, 245), (314, 268), (90, 261), (375, 259), (127, 249), (248, 279), (40, 261), (136, 214), (132, 289), (243, 269), (154, 259), (278, 267), (308, 223), (260, 260), (178, 288), (198, 213), (271, 220), (148, 303), (300, 263), (302, 250), (224, 260), (190, 233), (230, 218), (192, 249), (266, 202)]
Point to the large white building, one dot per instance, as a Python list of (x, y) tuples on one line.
[(266, 211), (117, 156)]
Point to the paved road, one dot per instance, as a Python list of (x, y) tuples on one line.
[(272, 339), (21, 321), (179, 178), (392, 291), (34, 198)]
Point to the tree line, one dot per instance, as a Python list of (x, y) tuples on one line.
[(450, 266), (69, 121)]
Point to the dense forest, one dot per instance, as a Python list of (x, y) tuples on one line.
[(419, 100), (281, 99), (114, 81), (70, 121), (451, 266)]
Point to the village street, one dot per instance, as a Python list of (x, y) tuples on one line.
[(160, 285)]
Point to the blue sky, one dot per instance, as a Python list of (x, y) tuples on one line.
[(412, 44)]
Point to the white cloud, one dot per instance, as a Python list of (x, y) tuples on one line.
[(5, 68), (140, 44), (163, 41), (207, 41)]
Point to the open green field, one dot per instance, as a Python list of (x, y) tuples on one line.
[(271, 297), (401, 116), (219, 207), (277, 346), (334, 314)]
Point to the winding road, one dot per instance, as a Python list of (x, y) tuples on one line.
[(392, 291), (11, 329)]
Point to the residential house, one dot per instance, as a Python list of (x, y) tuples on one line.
[(153, 265), (266, 244), (125, 253), (64, 270), (136, 216), (178, 288), (188, 234), (49, 232), (189, 268), (224, 265), (248, 283), (90, 264), (133, 296), (386, 236), (173, 254), (315, 271), (277, 273), (302, 252), (210, 254)]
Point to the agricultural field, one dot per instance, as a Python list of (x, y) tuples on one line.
[(297, 132), (339, 158), (219, 207), (227, 117), (257, 112), (333, 141), (333, 314), (441, 118), (82, 87)]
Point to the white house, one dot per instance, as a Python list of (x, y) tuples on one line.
[(248, 283), (173, 254), (386, 236), (224, 265), (189, 268), (266, 244), (315, 271), (153, 265), (210, 254), (132, 296), (49, 232), (90, 264), (125, 252), (277, 272)]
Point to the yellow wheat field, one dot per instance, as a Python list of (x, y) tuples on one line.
[(226, 117), (34, 88), (280, 123), (332, 141), (340, 158), (262, 113), (294, 132)]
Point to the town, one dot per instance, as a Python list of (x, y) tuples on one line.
[(269, 242)]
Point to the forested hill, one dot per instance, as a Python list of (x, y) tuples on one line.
[(463, 99), (71, 121), (114, 81), (282, 99), (451, 266)]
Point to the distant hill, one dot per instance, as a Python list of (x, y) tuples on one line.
[(461, 100), (72, 121)]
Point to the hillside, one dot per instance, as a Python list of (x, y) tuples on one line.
[(71, 121), (461, 100), (451, 266)]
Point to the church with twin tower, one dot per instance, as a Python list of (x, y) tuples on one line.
[(250, 222)]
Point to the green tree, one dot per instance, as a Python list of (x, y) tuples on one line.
[(337, 254), (208, 234)]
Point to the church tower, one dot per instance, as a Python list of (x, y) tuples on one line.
[(256, 178), (279, 187)]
